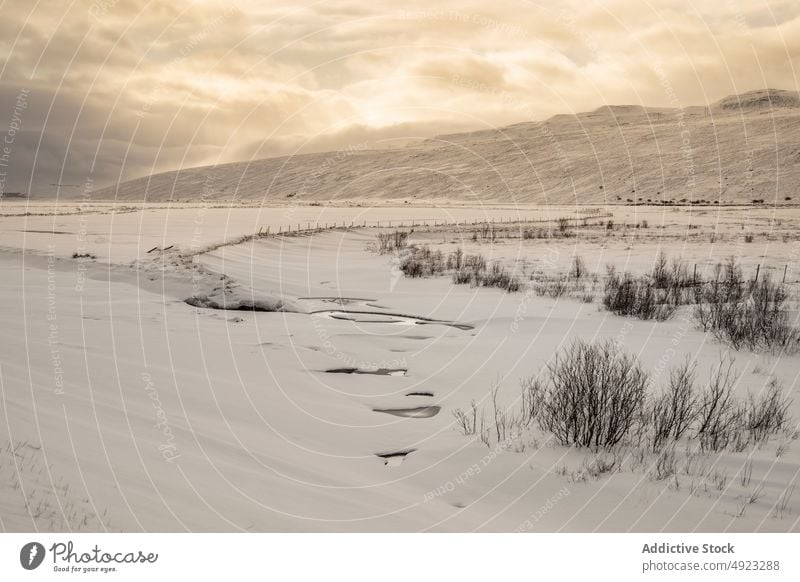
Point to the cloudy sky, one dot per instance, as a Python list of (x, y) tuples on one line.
[(107, 90)]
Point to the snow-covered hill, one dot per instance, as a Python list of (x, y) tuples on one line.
[(741, 148)]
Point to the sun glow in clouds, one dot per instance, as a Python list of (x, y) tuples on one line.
[(272, 79)]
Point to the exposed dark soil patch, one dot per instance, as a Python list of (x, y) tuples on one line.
[(375, 372), (266, 305), (394, 458), (47, 231), (373, 317), (416, 412), (462, 326), (337, 300), (366, 318)]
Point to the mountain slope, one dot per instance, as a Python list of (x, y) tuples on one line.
[(741, 148)]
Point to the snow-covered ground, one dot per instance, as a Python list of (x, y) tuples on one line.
[(119, 233), (125, 408)]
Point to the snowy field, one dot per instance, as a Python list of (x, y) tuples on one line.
[(127, 409)]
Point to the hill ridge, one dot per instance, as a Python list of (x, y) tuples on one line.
[(740, 148)]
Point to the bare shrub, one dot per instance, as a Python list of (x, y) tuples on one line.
[(500, 417), (470, 269), (554, 288), (600, 465), (497, 276), (720, 480), (578, 268), (535, 233), (532, 394), (655, 295), (594, 395), (768, 414), (674, 411), (746, 314), (665, 466), (455, 260), (782, 504), (484, 433), (467, 422), (719, 415), (557, 288), (746, 474), (475, 263), (473, 271), (660, 272), (389, 242), (680, 284), (463, 277), (714, 297), (755, 494), (672, 280), (637, 297), (422, 262)]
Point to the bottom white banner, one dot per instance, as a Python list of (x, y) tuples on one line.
[(355, 557)]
